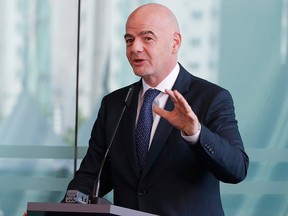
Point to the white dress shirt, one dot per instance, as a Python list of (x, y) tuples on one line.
[(161, 101)]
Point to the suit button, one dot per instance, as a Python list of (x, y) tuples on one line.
[(142, 193)]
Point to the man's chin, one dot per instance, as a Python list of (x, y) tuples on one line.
[(139, 73)]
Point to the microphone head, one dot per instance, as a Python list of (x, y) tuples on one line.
[(129, 96)]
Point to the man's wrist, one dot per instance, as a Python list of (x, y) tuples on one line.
[(192, 139)]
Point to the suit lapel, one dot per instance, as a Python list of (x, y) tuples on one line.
[(160, 137), (129, 124), (164, 128)]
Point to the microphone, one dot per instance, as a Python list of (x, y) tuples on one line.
[(99, 200), (74, 196)]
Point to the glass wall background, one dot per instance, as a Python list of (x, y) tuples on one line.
[(240, 45)]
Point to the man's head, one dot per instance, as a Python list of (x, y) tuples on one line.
[(152, 42)]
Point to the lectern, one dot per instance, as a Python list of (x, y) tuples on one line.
[(72, 209)]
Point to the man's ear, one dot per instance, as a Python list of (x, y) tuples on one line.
[(177, 39)]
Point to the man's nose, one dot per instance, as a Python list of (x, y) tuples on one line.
[(137, 46)]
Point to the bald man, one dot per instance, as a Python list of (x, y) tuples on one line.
[(194, 141)]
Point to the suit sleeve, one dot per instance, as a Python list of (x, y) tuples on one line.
[(220, 146)]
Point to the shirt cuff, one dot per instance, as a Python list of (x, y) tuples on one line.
[(192, 139)]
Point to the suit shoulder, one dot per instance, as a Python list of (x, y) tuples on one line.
[(205, 87), (206, 84), (198, 81)]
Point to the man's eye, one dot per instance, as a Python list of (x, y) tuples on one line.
[(148, 38), (129, 41)]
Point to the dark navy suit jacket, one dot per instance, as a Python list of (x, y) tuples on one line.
[(178, 179)]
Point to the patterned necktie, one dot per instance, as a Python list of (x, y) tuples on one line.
[(144, 125)]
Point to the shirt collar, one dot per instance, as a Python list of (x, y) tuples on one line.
[(166, 83)]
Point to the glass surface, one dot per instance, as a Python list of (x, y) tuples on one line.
[(37, 97), (240, 45)]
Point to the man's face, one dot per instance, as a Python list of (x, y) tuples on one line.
[(149, 47)]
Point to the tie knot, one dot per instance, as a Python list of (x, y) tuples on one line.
[(150, 95)]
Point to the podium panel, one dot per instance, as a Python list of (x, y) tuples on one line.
[(71, 209)]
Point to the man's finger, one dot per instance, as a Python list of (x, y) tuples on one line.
[(161, 112), (182, 101), (171, 95)]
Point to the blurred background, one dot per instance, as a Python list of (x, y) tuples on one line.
[(240, 45)]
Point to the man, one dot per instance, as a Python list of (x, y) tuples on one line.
[(194, 141)]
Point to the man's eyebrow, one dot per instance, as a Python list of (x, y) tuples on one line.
[(127, 35), (141, 33), (147, 32)]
